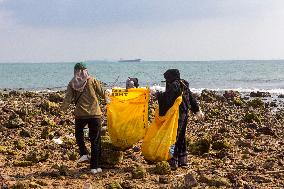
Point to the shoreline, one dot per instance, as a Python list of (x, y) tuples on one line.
[(248, 152)]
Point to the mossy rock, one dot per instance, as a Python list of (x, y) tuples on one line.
[(20, 185), (221, 144), (50, 107), (199, 147), (48, 122), (238, 102), (55, 97), (209, 96), (41, 183), (72, 155), (138, 172), (68, 143), (162, 168), (29, 94), (22, 163), (45, 133), (111, 155), (218, 182), (256, 103), (11, 152), (251, 117), (63, 170), (215, 181), (36, 157), (25, 133), (14, 123), (114, 185), (3, 149), (31, 142), (19, 144)]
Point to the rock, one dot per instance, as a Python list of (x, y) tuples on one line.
[(251, 117), (3, 149), (114, 185), (45, 133), (55, 97), (20, 185), (216, 181), (22, 163), (111, 155), (136, 148), (238, 102), (268, 165), (41, 182), (221, 144), (260, 94), (48, 122), (87, 186), (19, 144), (37, 156), (14, 93), (190, 181), (164, 179), (63, 170), (73, 155), (14, 123), (200, 147), (49, 106), (68, 143), (266, 131), (139, 172), (162, 168), (256, 103), (281, 96), (209, 96), (25, 133), (252, 126), (261, 179), (231, 95)]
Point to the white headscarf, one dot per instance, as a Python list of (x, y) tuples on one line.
[(80, 79)]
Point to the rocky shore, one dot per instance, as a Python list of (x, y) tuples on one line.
[(238, 145)]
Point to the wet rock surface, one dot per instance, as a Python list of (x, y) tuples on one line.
[(239, 144)]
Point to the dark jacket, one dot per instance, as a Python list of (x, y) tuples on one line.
[(174, 88)]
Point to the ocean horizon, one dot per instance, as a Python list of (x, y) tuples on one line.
[(241, 75)]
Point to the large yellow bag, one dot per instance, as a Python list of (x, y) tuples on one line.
[(127, 116), (161, 134)]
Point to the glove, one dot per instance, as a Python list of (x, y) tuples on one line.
[(108, 100), (199, 115)]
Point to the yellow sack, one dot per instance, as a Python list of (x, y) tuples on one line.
[(127, 116), (161, 134)]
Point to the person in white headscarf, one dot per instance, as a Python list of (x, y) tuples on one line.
[(83, 90)]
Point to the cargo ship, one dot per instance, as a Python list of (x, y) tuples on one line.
[(130, 60)]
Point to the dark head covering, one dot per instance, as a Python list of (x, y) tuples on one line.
[(80, 66), (172, 75)]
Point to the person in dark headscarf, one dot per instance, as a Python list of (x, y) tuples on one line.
[(83, 90), (175, 87), (131, 83)]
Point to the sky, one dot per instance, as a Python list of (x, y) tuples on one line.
[(73, 30)]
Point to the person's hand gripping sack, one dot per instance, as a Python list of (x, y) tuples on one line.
[(199, 115)]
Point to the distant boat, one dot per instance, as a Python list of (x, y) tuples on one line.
[(130, 60)]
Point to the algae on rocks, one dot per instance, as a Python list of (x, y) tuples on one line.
[(199, 147), (162, 168), (138, 172), (110, 154)]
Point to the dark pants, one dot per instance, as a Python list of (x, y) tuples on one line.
[(94, 125), (180, 153)]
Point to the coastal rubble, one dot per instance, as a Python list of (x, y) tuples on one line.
[(239, 144)]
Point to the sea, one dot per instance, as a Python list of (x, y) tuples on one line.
[(241, 75)]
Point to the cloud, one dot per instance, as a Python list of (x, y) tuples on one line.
[(160, 30)]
